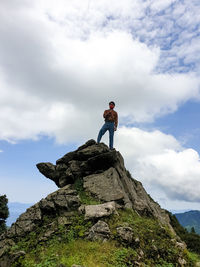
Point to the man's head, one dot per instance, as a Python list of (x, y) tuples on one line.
[(112, 105)]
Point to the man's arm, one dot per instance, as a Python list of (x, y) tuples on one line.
[(116, 120)]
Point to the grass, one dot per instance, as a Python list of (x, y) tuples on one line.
[(88, 253), (155, 241), (67, 246), (193, 257), (80, 252)]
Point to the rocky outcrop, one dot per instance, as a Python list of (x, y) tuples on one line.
[(87, 159), (56, 204), (102, 176), (59, 205)]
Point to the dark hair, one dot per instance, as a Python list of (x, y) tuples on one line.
[(112, 103)]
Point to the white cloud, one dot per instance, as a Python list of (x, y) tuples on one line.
[(159, 5), (74, 79), (161, 162)]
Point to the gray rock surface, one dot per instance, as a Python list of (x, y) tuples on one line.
[(99, 231), (181, 245), (105, 185), (99, 211), (182, 262), (125, 233), (63, 200), (86, 160), (7, 261), (5, 244)]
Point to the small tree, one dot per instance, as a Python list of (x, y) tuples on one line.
[(193, 230), (3, 213)]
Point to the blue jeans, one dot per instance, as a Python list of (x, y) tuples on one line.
[(108, 126)]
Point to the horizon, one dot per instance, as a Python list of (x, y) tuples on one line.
[(62, 63)]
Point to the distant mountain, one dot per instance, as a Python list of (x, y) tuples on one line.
[(179, 211), (15, 209), (190, 219)]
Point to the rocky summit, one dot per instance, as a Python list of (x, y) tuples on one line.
[(104, 176), (98, 203)]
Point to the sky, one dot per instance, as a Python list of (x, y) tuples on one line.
[(61, 62)]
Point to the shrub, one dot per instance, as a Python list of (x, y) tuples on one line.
[(192, 239), (3, 213)]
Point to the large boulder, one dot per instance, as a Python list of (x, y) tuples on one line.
[(99, 231), (125, 233), (100, 210)]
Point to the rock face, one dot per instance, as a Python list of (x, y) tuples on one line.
[(99, 231), (62, 201), (87, 159), (59, 205), (102, 174), (99, 211), (126, 233), (104, 185)]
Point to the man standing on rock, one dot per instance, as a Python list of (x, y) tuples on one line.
[(111, 122)]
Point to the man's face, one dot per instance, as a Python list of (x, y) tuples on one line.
[(111, 106)]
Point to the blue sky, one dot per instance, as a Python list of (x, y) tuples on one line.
[(60, 65), (183, 124)]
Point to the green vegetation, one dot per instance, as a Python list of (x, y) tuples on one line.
[(62, 233), (193, 257), (155, 241), (87, 253), (67, 245), (3, 213), (191, 239)]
